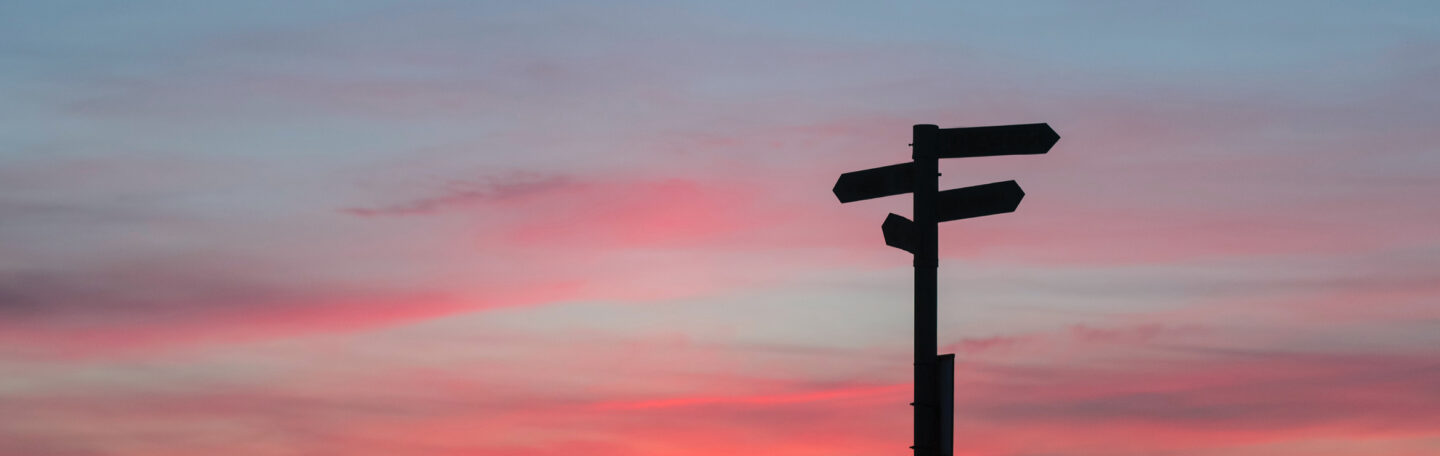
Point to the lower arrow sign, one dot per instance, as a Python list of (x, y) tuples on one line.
[(956, 204), (899, 233)]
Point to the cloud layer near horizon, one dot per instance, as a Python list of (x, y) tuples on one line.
[(546, 229)]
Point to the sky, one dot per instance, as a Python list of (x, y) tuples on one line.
[(278, 228)]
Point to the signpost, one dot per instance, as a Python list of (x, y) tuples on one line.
[(934, 373)]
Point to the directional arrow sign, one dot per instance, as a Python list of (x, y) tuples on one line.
[(1026, 139), (876, 182), (978, 201), (899, 233)]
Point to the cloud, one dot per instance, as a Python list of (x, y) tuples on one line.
[(132, 308), (1218, 400), (1076, 337), (986, 344), (459, 195), (762, 400), (1142, 333), (1208, 401)]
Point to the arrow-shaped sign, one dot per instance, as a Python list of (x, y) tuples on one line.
[(876, 182), (978, 201), (1025, 139), (899, 232), (960, 203)]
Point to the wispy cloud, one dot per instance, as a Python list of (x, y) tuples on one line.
[(458, 195)]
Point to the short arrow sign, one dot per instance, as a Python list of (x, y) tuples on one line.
[(899, 232), (876, 182), (977, 201), (1025, 139)]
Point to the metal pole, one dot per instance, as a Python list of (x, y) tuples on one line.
[(946, 384), (927, 184)]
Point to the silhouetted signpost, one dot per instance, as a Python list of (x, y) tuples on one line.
[(935, 374)]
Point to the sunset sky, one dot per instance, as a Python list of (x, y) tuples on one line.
[(533, 228)]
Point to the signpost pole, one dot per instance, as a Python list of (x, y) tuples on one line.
[(927, 185)]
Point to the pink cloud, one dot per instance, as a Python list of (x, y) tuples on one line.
[(987, 344), (1077, 337), (460, 195), (1142, 333), (762, 400), (1211, 403), (143, 310)]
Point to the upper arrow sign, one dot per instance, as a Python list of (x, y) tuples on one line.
[(1026, 139), (978, 201), (876, 182)]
